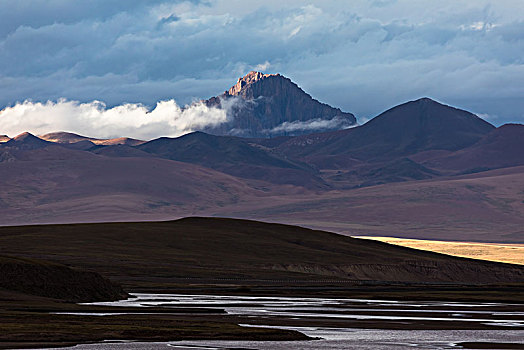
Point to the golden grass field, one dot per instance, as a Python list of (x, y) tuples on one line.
[(502, 252)]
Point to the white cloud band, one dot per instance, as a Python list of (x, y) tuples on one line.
[(95, 119)]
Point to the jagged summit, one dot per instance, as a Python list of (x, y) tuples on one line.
[(272, 105), (249, 78)]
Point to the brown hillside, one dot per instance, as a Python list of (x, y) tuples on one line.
[(151, 253)]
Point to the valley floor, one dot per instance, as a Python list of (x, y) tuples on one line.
[(501, 252)]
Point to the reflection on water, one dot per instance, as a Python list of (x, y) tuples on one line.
[(356, 309), (309, 316), (336, 339)]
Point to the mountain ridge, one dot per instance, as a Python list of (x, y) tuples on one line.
[(402, 130), (71, 138), (234, 156), (26, 141), (500, 148)]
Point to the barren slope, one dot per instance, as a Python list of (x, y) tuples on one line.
[(157, 253), (501, 148), (42, 278), (55, 184), (485, 207)]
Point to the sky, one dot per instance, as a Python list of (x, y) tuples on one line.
[(112, 67)]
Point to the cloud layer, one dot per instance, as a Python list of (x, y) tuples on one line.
[(96, 120), (313, 124), (363, 56)]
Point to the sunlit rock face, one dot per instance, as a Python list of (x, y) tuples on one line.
[(269, 105)]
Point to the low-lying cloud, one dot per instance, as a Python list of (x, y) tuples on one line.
[(312, 124), (95, 119)]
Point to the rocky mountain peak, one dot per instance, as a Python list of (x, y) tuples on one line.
[(273, 105), (248, 79)]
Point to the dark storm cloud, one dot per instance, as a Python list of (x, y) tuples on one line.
[(39, 13), (363, 56)]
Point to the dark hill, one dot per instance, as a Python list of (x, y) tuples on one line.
[(42, 278), (403, 130), (425, 124), (272, 105), (212, 151), (83, 145), (119, 151), (501, 148), (234, 156), (155, 254)]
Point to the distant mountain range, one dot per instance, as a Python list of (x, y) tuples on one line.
[(66, 137), (420, 169)]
